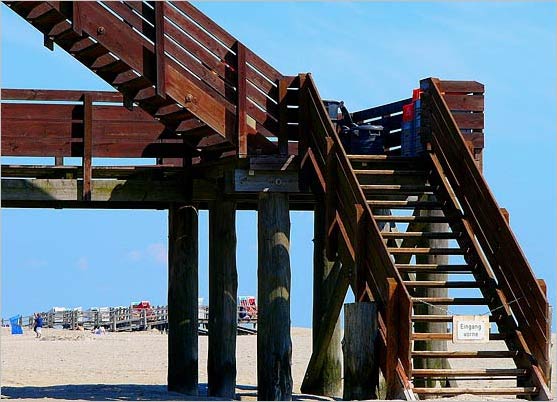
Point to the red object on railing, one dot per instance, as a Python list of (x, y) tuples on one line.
[(408, 112), (416, 93)]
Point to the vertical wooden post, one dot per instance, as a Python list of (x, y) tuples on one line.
[(283, 115), (87, 146), (329, 382), (159, 48), (182, 299), (274, 345), (241, 99), (223, 290), (76, 18), (423, 309), (360, 332)]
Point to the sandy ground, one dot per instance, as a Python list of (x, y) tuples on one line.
[(72, 365)]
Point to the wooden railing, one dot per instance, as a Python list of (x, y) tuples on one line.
[(355, 236), (172, 51), (388, 116), (514, 276)]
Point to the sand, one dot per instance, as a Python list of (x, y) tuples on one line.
[(76, 365)]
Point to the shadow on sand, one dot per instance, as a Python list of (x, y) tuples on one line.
[(127, 392)]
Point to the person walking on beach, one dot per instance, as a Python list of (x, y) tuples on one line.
[(38, 327)]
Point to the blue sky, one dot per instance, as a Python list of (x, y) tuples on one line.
[(363, 53)]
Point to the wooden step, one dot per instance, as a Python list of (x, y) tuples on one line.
[(388, 204), (442, 284), (404, 219), (434, 268), (426, 250), (383, 158), (425, 235), (389, 172), (409, 189), (455, 301), (440, 336), (438, 318), (469, 372), (477, 391), (478, 354)]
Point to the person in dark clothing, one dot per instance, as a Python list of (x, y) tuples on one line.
[(38, 327)]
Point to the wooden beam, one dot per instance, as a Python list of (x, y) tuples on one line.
[(182, 299), (329, 381), (361, 365), (87, 146), (223, 290), (260, 180), (274, 346), (326, 328)]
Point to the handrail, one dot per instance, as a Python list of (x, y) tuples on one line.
[(362, 237), (515, 278)]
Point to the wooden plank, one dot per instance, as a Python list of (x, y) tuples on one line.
[(472, 103), (482, 354), (478, 391), (52, 191), (274, 346), (474, 121), (159, 48), (269, 181), (461, 86), (196, 100), (132, 19), (58, 95), (469, 372), (87, 146), (182, 299)]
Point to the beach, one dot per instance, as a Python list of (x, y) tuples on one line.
[(77, 365)]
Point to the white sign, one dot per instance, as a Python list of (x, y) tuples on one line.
[(470, 328)]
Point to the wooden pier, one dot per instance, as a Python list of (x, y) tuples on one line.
[(226, 131), (120, 319)]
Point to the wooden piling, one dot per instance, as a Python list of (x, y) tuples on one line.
[(329, 382), (182, 299), (274, 345), (223, 289), (360, 332)]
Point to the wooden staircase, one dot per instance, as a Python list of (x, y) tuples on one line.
[(432, 224), (168, 58), (219, 98), (414, 193)]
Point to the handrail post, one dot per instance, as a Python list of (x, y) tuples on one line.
[(159, 48), (87, 146), (241, 100)]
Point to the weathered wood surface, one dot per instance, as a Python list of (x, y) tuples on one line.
[(361, 364), (223, 290), (274, 346), (329, 382), (182, 299)]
